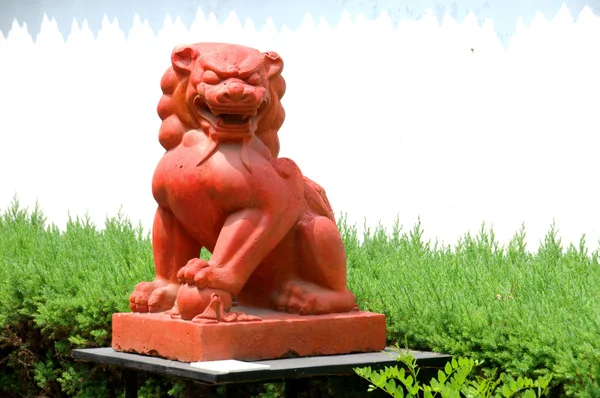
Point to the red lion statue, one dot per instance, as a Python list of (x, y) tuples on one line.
[(221, 185)]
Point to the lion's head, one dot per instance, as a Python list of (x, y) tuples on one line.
[(229, 91)]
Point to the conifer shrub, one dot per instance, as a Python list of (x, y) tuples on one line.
[(529, 314)]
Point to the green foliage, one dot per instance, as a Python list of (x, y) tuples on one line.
[(456, 379), (58, 291), (528, 314)]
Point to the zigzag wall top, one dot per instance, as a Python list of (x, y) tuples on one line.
[(503, 13)]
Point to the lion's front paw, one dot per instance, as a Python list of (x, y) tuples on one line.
[(200, 273), (154, 296), (197, 272)]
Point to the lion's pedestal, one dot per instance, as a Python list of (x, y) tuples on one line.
[(276, 336)]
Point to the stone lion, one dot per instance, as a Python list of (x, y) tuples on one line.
[(221, 185)]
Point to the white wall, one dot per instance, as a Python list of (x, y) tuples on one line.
[(420, 119)]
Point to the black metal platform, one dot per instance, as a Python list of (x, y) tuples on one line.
[(280, 369)]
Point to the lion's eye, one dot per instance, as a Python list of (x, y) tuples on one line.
[(210, 77), (254, 80)]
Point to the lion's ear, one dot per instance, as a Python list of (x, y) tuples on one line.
[(182, 58), (273, 63)]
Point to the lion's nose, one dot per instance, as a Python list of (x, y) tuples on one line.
[(235, 91)]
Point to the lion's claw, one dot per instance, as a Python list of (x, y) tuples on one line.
[(189, 273), (204, 278), (156, 296), (200, 273)]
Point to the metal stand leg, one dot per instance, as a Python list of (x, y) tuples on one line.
[(294, 386), (131, 383), (232, 390)]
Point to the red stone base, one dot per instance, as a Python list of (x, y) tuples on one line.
[(278, 335)]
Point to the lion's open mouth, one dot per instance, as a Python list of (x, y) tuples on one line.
[(231, 119)]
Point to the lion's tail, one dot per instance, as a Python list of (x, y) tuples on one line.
[(317, 199)]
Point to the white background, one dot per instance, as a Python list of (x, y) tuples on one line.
[(422, 119)]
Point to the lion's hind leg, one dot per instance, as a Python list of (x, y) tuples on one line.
[(306, 298), (321, 253), (320, 286)]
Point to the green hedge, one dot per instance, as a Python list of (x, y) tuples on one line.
[(57, 292), (528, 314)]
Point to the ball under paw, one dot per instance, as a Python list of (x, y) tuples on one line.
[(192, 301)]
